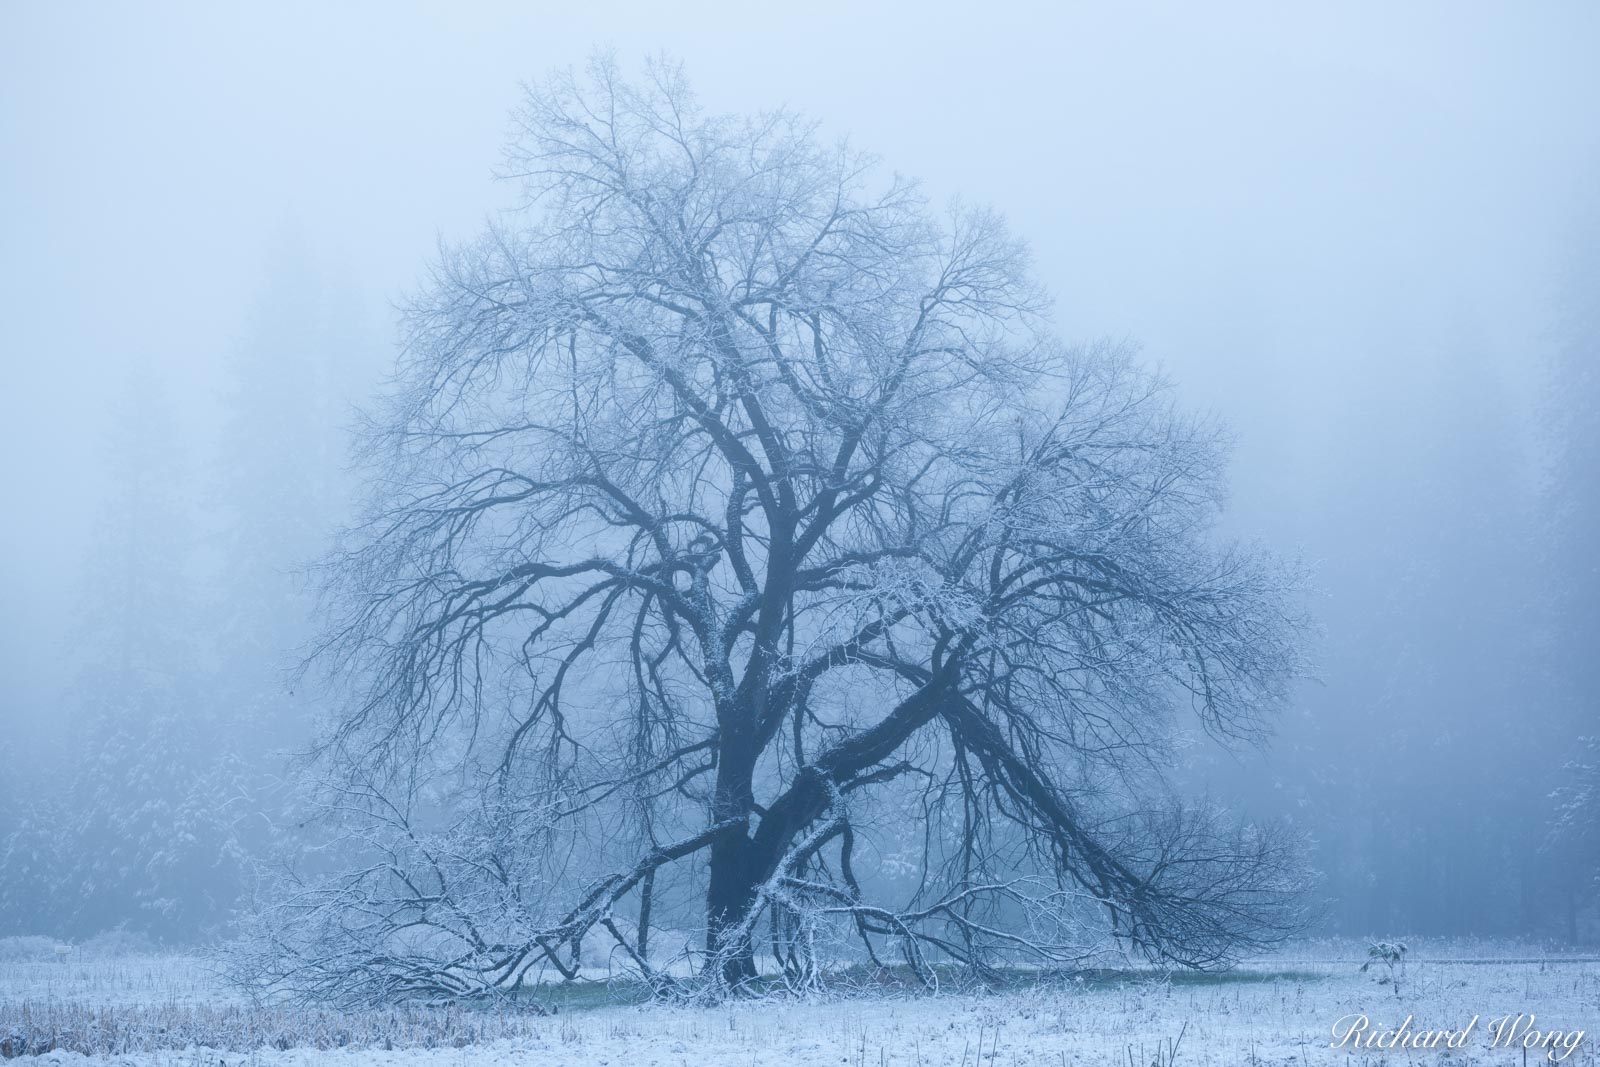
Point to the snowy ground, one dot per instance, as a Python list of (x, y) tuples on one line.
[(1277, 1012)]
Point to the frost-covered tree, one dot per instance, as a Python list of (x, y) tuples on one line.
[(1575, 834), (277, 486), (733, 509), (133, 822), (1572, 587)]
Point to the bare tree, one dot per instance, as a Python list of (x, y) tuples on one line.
[(733, 506), (1574, 835)]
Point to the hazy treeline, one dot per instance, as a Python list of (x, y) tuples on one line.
[(146, 801), (1429, 763), (1460, 598)]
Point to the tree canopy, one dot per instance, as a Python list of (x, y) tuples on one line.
[(737, 515)]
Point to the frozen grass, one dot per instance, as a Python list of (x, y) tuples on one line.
[(36, 1029), (1275, 1012), (116, 982)]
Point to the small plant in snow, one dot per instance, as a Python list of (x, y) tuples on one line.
[(1390, 956)]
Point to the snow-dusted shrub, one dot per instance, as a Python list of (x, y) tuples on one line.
[(119, 942), (1389, 958), (28, 948)]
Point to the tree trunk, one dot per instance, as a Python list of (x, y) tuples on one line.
[(729, 898), (734, 874)]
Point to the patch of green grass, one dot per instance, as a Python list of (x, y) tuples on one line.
[(1013, 978), (1107, 977), (578, 995), (589, 994)]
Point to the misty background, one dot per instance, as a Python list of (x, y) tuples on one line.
[(1369, 238)]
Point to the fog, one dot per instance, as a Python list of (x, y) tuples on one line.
[(1363, 236)]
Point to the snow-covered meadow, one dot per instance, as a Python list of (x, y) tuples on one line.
[(158, 1010)]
